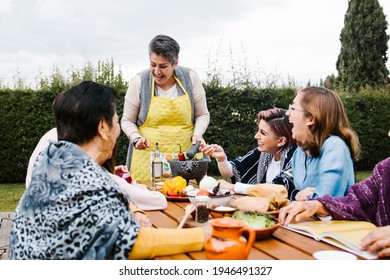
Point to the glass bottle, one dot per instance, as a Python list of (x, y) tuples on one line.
[(157, 167)]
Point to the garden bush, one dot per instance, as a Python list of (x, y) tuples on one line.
[(26, 115)]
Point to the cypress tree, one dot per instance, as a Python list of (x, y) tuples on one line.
[(362, 59)]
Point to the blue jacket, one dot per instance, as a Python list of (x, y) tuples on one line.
[(331, 173)]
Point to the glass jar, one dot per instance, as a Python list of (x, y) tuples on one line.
[(202, 208)]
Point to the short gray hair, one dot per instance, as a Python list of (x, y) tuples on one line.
[(165, 46)]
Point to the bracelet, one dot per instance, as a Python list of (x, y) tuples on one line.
[(135, 141)]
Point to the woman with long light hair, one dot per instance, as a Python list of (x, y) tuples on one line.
[(328, 145)]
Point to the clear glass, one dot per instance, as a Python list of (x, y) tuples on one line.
[(202, 208)]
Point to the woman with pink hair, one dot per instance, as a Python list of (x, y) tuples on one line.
[(269, 162)]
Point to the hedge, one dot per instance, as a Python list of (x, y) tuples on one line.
[(27, 115)]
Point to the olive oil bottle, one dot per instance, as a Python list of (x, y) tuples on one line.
[(157, 167)]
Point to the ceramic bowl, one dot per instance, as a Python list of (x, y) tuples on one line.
[(219, 212), (215, 200), (262, 233)]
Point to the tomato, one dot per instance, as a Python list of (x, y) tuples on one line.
[(174, 194)]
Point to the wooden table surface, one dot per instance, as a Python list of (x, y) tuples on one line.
[(283, 245)]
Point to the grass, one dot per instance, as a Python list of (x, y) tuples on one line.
[(11, 193)]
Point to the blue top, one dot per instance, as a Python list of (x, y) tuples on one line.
[(331, 173)]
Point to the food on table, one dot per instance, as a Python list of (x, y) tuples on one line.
[(224, 208), (255, 220), (181, 155), (250, 203), (203, 192), (208, 183), (174, 186)]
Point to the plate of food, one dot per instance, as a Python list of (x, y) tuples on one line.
[(177, 198), (176, 189), (255, 204), (264, 224)]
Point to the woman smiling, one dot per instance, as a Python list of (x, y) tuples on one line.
[(328, 145)]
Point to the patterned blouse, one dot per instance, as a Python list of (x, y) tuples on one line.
[(71, 210), (368, 200), (252, 169)]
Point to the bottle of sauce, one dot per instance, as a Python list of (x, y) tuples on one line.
[(157, 167)]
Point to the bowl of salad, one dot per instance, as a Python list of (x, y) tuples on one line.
[(265, 225)]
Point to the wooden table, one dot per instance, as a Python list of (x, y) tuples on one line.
[(283, 245)]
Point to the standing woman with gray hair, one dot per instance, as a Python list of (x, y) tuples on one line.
[(165, 104)]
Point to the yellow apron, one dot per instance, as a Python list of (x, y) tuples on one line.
[(168, 123)]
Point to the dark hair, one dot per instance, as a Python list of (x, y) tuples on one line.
[(165, 46), (279, 123), (79, 110)]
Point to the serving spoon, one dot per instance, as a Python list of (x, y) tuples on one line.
[(189, 209)]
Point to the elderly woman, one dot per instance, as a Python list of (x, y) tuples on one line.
[(269, 162), (73, 209), (141, 197), (165, 104)]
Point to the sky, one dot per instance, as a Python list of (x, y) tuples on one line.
[(293, 40)]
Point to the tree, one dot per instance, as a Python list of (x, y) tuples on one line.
[(362, 59)]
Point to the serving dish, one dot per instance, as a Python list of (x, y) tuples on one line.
[(266, 232), (177, 198), (217, 211), (216, 200), (261, 232)]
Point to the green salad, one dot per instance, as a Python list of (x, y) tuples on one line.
[(254, 220)]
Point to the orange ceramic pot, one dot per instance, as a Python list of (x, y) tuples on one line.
[(227, 241)]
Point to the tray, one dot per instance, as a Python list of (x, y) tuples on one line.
[(177, 198)]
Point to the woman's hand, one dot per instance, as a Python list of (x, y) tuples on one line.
[(196, 138), (299, 210), (214, 151), (142, 219), (120, 168), (377, 241), (142, 144), (304, 194), (226, 185)]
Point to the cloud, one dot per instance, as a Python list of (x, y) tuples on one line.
[(298, 37)]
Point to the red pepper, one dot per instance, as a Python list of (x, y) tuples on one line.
[(174, 194), (181, 155)]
